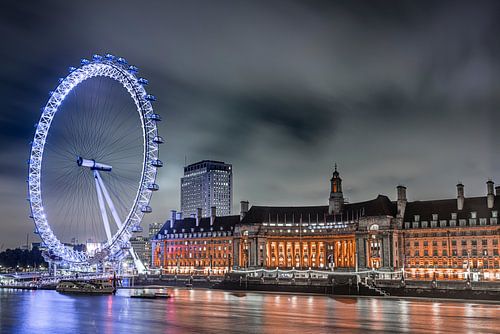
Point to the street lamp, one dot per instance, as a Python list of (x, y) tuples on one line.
[(468, 267)]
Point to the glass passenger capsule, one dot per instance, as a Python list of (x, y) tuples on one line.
[(150, 97), (157, 163), (143, 81), (121, 61), (158, 140), (153, 187), (137, 229), (155, 117), (146, 209), (96, 57)]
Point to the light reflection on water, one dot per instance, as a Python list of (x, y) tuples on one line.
[(213, 311)]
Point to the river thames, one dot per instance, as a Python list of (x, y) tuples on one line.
[(214, 311)]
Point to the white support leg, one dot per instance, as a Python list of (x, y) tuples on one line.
[(108, 200), (137, 262), (102, 190), (102, 207)]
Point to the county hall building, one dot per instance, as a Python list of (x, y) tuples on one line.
[(446, 239)]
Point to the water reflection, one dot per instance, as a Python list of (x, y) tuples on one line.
[(212, 311)]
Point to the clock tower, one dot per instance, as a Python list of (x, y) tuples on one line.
[(336, 197)]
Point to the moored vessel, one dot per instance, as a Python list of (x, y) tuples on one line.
[(90, 287)]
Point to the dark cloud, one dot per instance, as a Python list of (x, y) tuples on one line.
[(301, 123), (400, 92)]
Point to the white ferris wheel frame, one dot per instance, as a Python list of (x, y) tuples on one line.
[(114, 248)]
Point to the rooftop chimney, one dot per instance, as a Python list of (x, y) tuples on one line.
[(490, 196), (213, 211), (173, 215), (401, 200), (244, 209), (179, 215), (460, 196), (199, 213)]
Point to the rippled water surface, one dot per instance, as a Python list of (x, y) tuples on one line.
[(213, 311)]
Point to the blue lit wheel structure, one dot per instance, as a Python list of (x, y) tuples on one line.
[(93, 162)]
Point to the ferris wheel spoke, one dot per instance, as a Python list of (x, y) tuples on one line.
[(122, 187)]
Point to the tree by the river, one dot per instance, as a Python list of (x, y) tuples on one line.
[(11, 258)]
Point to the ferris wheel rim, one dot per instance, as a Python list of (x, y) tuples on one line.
[(125, 75)]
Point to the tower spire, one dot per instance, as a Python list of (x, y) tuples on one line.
[(336, 199)]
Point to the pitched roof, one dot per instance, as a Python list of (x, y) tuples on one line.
[(380, 206), (445, 207), (222, 223)]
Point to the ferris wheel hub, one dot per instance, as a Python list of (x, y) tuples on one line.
[(93, 165)]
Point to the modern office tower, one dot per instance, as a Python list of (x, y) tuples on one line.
[(206, 184), (154, 228)]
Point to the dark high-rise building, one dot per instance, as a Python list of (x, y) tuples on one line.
[(154, 228), (207, 184)]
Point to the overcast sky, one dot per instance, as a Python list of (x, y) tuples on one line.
[(395, 92)]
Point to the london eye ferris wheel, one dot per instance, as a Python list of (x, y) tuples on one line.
[(93, 162)]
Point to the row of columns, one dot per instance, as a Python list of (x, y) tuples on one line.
[(292, 253), (285, 253)]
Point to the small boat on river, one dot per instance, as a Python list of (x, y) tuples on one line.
[(162, 295), (144, 296), (150, 295)]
